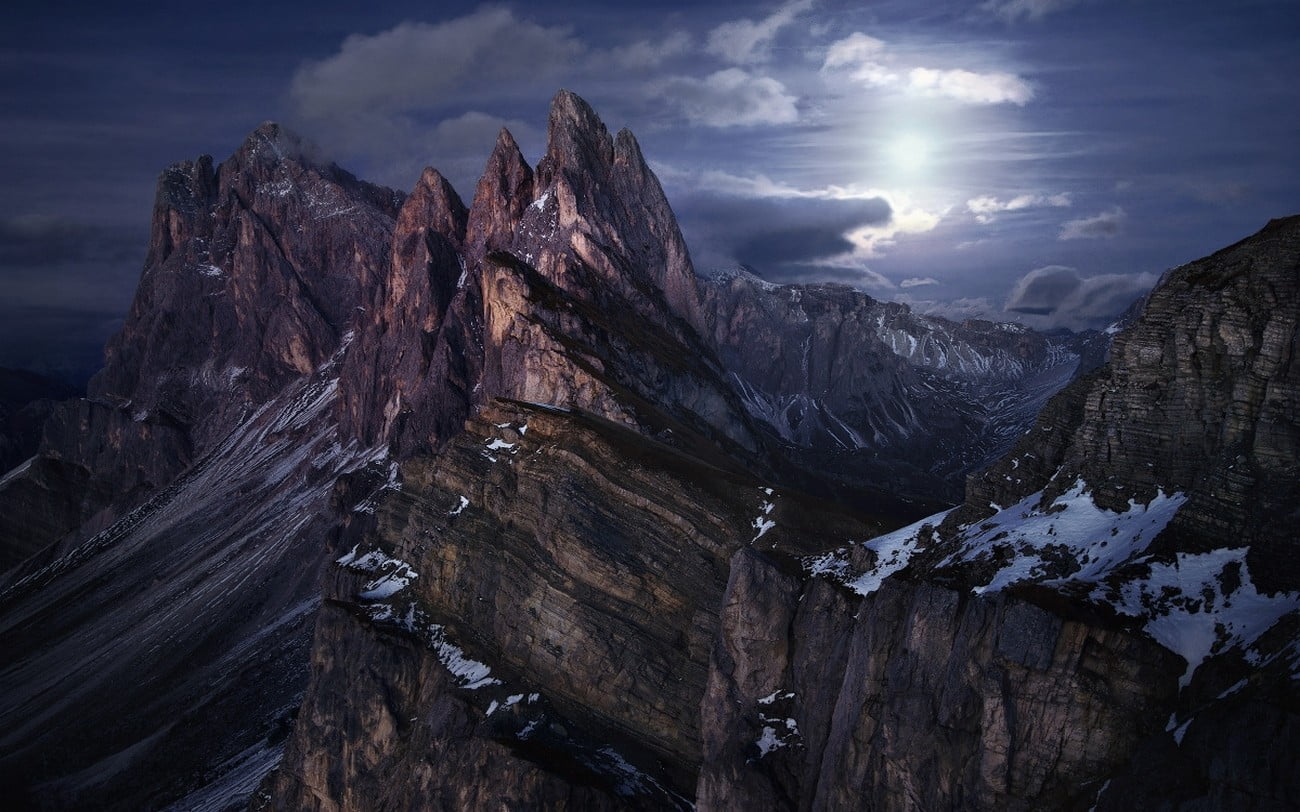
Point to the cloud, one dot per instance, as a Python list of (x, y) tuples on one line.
[(728, 98), (1041, 291), (969, 87), (1012, 10), (420, 65), (869, 241), (986, 207), (1062, 297), (918, 282), (791, 233), (869, 61), (1100, 226), (644, 54), (749, 41)]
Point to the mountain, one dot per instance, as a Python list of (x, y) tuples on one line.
[(388, 500), (880, 394), (26, 399)]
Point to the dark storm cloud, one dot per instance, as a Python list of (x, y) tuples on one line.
[(1041, 291), (1061, 297), (781, 238)]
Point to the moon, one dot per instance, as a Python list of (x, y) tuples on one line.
[(909, 152)]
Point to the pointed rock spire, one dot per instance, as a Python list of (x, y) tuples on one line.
[(503, 194), (576, 139), (434, 203)]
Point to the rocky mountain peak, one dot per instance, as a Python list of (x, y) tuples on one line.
[(576, 138), (270, 143), (434, 204), (504, 193)]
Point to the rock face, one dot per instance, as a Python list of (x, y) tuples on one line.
[(916, 697), (384, 501), (169, 524)]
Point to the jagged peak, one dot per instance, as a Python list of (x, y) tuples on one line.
[(627, 152), (186, 185), (271, 142), (503, 193), (576, 137), (434, 203)]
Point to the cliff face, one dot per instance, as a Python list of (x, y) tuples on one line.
[(385, 501), (562, 575)]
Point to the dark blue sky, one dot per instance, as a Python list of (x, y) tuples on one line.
[(1038, 160)]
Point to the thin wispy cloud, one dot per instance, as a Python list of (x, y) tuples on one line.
[(727, 98), (986, 208), (918, 282), (1104, 225), (749, 41), (1013, 10)]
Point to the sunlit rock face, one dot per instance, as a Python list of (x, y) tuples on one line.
[(390, 501)]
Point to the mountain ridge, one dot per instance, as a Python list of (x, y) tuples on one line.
[(434, 477)]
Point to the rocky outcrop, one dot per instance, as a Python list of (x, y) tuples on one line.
[(1153, 494), (254, 276), (543, 596), (592, 302)]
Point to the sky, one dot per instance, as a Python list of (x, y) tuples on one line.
[(1040, 161)]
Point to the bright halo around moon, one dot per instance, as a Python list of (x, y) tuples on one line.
[(909, 152)]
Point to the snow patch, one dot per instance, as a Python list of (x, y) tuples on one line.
[(470, 673), (394, 574), (456, 511), (777, 732), (1200, 605), (892, 551), (1038, 542)]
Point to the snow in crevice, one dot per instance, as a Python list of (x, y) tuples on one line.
[(392, 574), (460, 507), (763, 522), (470, 674), (777, 732), (494, 446), (17, 471)]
